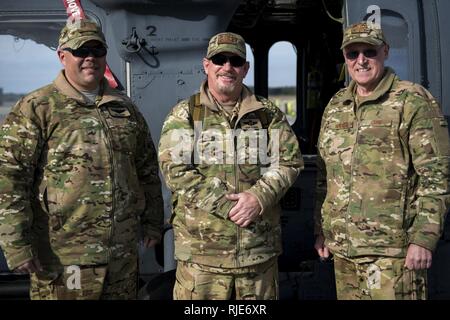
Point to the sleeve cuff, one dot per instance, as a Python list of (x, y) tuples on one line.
[(18, 257), (223, 207), (261, 203), (426, 243)]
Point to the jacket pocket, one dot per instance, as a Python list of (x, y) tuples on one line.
[(49, 205), (54, 208), (376, 134), (124, 136), (184, 282), (337, 141), (123, 127)]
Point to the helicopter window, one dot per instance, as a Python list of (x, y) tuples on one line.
[(250, 78), (396, 31), (25, 66), (283, 78)]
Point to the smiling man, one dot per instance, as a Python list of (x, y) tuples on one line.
[(383, 179), (239, 158), (78, 173)]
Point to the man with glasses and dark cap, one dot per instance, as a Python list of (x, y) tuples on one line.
[(383, 180), (228, 157), (78, 177)]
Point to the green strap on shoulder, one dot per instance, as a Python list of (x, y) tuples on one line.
[(196, 110)]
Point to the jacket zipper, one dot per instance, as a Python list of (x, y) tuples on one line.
[(236, 190), (113, 165), (355, 143), (236, 187), (236, 184)]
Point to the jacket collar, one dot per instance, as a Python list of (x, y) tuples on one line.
[(106, 93), (248, 104)]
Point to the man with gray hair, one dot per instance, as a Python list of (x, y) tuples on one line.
[(383, 180), (226, 212), (78, 175)]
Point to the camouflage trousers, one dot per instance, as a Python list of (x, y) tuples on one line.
[(200, 282), (116, 280), (378, 278)]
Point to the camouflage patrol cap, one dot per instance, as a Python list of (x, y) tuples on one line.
[(226, 42), (363, 33), (75, 34)]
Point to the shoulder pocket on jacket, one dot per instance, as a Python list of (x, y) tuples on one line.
[(440, 128)]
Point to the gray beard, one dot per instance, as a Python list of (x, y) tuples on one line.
[(226, 89)]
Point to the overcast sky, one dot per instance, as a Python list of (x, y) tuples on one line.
[(25, 65)]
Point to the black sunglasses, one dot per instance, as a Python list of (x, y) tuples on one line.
[(221, 59), (369, 53), (83, 52)]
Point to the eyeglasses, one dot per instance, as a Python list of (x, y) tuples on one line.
[(84, 52), (221, 59), (369, 53)]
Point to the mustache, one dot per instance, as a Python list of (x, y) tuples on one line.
[(226, 74), (91, 66)]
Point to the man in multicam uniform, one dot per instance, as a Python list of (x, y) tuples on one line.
[(226, 213), (78, 175), (384, 167)]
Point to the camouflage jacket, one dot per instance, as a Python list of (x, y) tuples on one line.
[(225, 163), (75, 178), (384, 166)]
